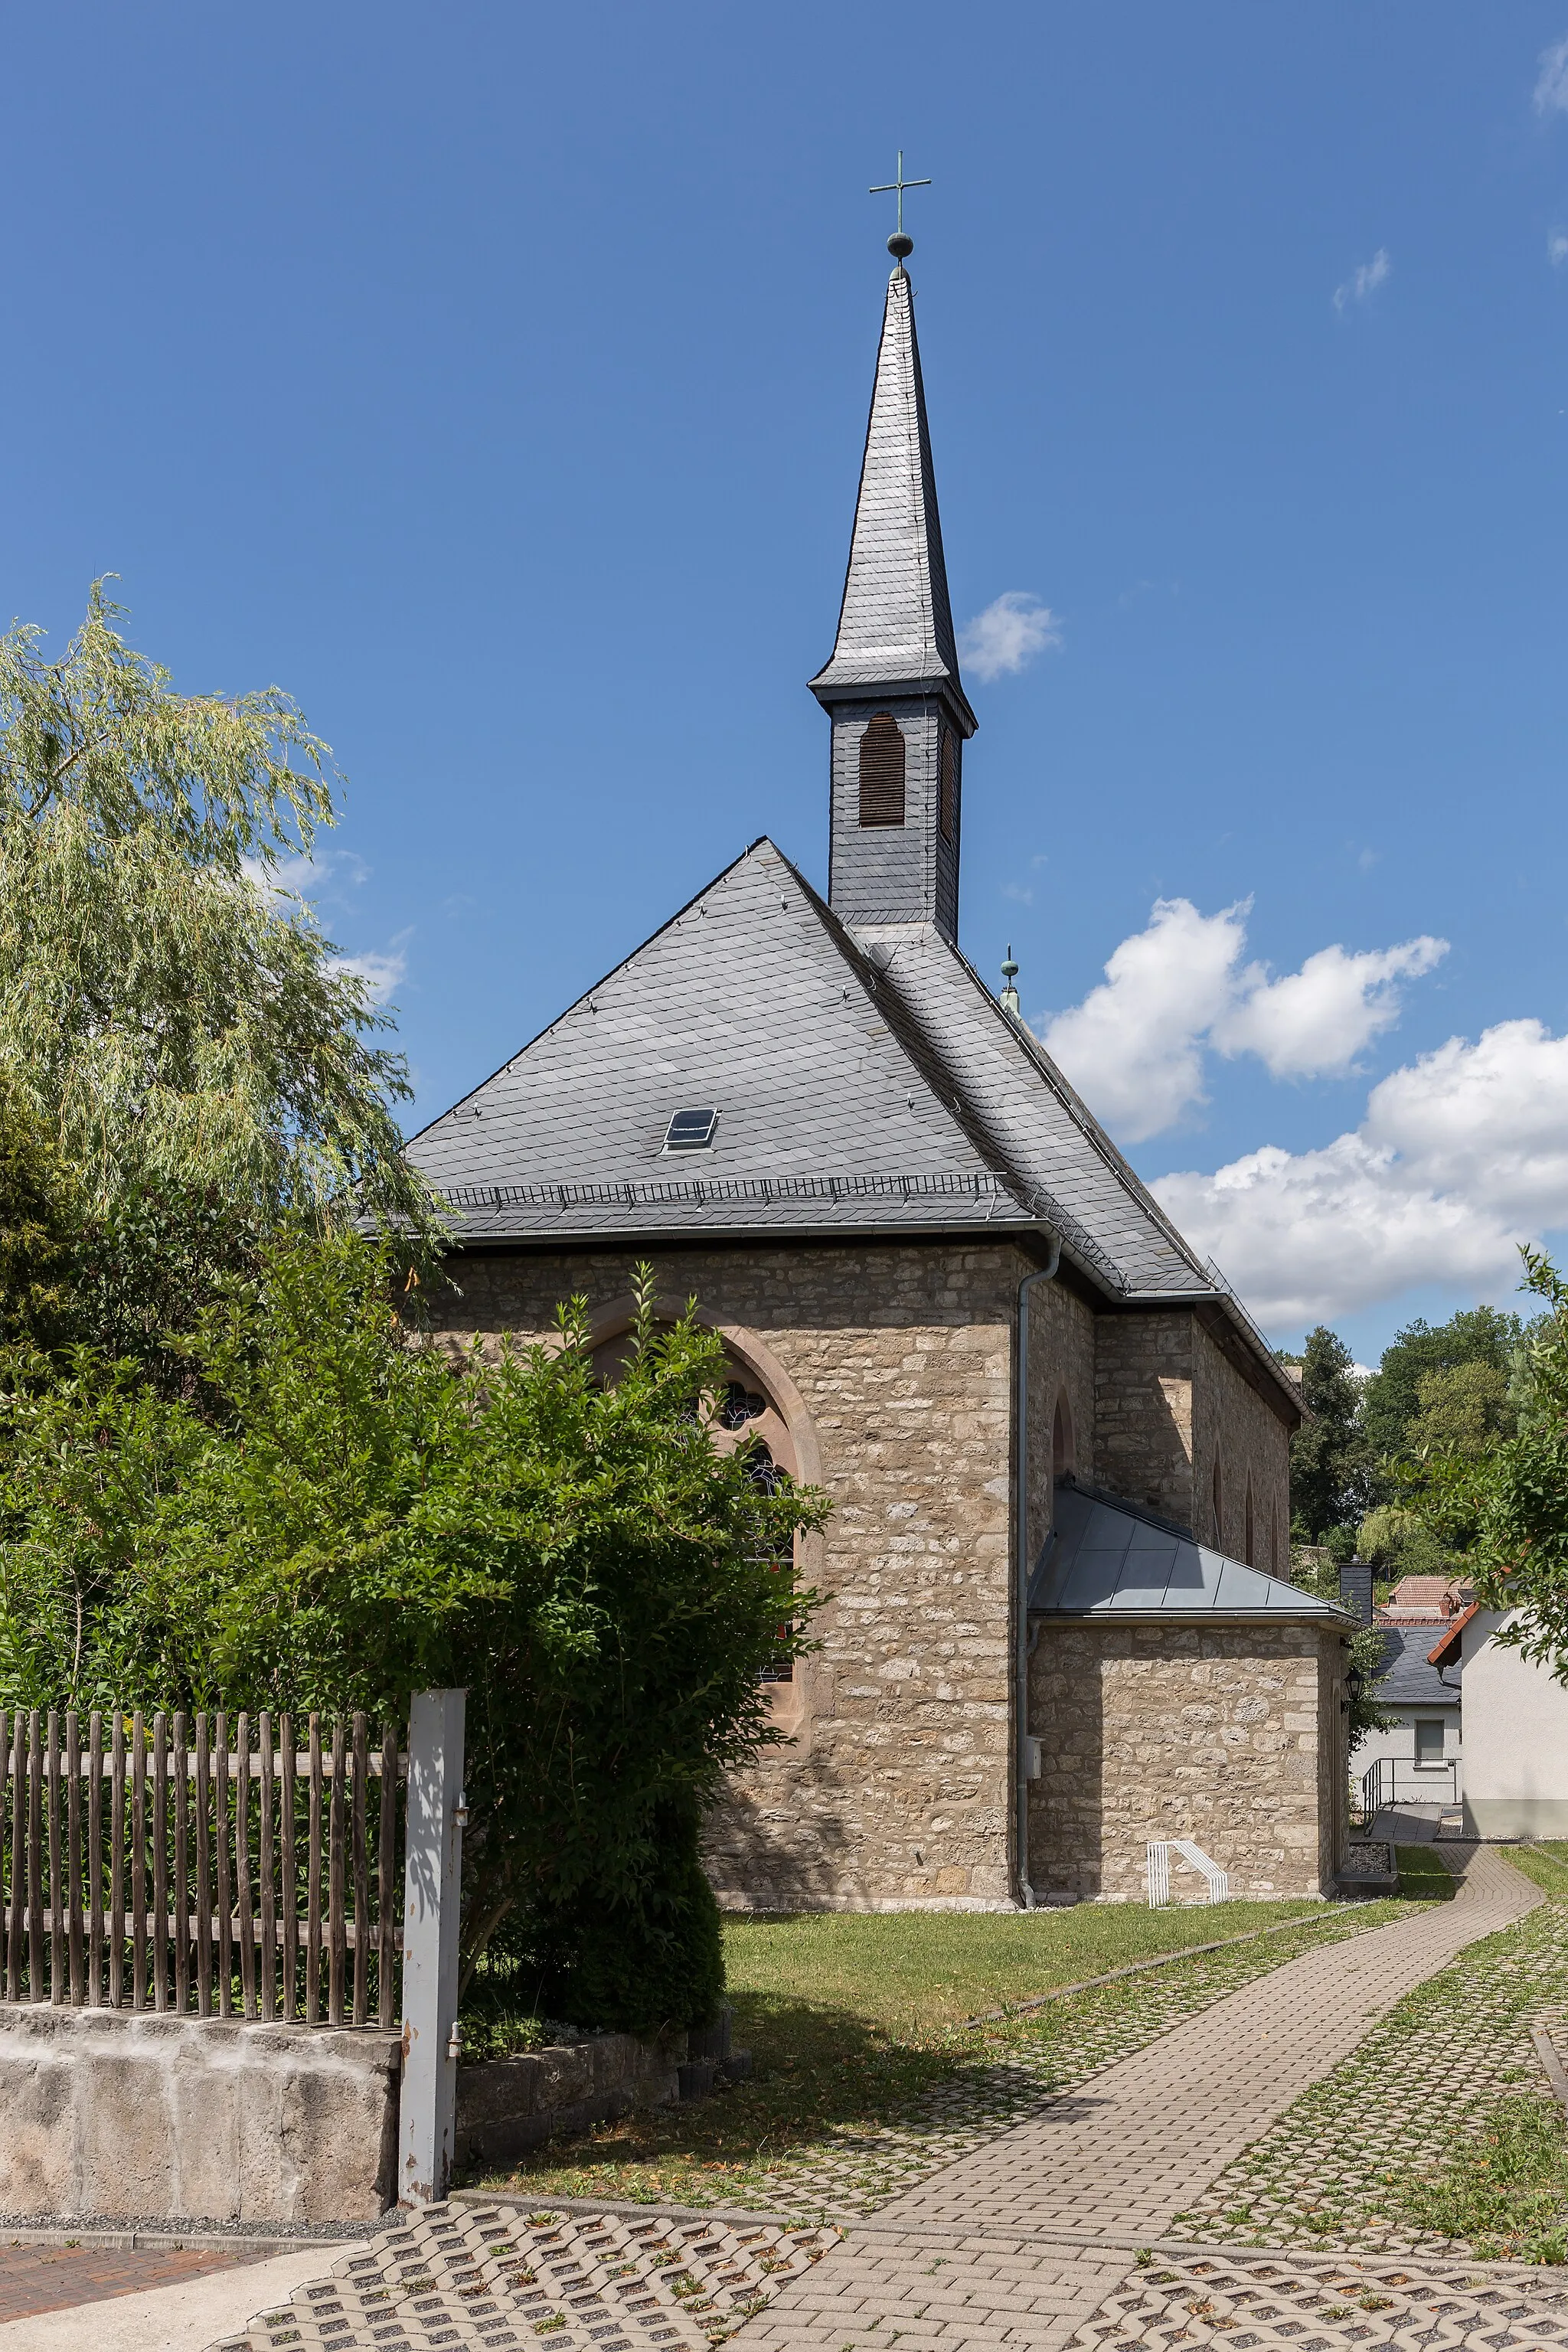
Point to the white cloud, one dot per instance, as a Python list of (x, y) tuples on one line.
[(1557, 247), (1135, 1046), (381, 971), (1552, 82), (1363, 282), (323, 876), (1316, 1021), (1461, 1155), (1012, 629), (287, 880)]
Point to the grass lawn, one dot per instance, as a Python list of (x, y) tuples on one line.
[(909, 1973), (1505, 2192), (1547, 1864), (1424, 1876), (850, 2017)]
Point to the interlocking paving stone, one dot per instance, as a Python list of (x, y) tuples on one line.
[(502, 2276), (1287, 2305), (1126, 2151), (1054, 2050), (1019, 2242), (1334, 2170)]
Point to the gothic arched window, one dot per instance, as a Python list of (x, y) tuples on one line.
[(1062, 1461), (947, 789), (882, 771), (1250, 1554), (1217, 1497)]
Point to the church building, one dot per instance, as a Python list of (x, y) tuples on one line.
[(1058, 1626)]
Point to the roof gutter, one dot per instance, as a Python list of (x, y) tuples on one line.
[(1010, 1226), (1045, 1273)]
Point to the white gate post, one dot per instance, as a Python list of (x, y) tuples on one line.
[(432, 1892)]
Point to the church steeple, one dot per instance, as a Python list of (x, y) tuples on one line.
[(893, 688)]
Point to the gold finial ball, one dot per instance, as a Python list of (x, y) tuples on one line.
[(900, 246)]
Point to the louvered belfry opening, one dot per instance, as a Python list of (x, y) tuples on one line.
[(947, 788), (882, 771)]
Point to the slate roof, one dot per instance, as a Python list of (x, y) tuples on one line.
[(1408, 1678), (876, 1084), (895, 626), (1106, 1558)]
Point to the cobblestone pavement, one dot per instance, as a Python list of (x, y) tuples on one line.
[(1056, 2048), (931, 2291), (1029, 2243), (1327, 2306), (1125, 2152), (497, 2275), (1335, 2169), (57, 2278)]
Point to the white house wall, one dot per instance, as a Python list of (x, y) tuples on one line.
[(1516, 1739)]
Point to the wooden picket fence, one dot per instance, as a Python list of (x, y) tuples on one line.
[(145, 1869)]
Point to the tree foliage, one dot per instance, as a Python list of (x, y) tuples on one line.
[(40, 1216), (1422, 1365), (350, 1514), (1507, 1504), (1330, 1463), (179, 1030)]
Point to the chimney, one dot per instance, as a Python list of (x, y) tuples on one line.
[(1355, 1589)]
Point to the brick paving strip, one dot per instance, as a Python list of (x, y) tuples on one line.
[(1052, 2235), (34, 2278)]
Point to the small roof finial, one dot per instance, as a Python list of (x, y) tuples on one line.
[(900, 246), (1009, 993)]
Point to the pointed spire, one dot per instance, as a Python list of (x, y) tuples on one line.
[(896, 624)]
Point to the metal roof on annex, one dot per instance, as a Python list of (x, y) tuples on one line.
[(1106, 1558)]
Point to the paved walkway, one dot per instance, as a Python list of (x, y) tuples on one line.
[(1050, 2236), (1124, 2155), (182, 2312), (1000, 2249)]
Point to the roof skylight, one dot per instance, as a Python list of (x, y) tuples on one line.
[(691, 1130)]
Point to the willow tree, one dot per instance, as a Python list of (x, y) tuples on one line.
[(177, 1026)]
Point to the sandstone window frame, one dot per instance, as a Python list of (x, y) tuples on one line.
[(784, 1427)]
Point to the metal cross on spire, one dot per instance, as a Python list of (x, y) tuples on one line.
[(900, 246)]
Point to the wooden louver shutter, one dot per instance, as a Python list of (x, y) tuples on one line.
[(947, 794), (882, 771)]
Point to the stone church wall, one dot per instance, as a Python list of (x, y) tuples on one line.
[(1228, 1735), (897, 1791), (1061, 1373), (1143, 1410), (1169, 1404), (1231, 1423)]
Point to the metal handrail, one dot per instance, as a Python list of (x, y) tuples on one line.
[(1380, 1783)]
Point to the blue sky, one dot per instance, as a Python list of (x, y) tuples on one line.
[(493, 378)]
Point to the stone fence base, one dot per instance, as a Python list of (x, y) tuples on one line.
[(508, 2105), (111, 2115), (107, 2112)]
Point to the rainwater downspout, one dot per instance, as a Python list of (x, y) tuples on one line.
[(1045, 1273)]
